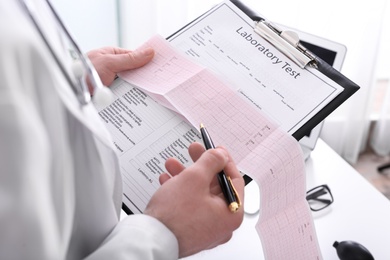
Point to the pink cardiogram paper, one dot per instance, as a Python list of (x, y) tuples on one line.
[(260, 148)]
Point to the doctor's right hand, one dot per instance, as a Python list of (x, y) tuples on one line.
[(191, 203)]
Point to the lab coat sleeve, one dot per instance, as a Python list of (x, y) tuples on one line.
[(138, 237), (39, 213)]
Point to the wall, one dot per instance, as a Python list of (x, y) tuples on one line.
[(92, 23)]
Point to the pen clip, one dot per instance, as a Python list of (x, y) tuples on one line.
[(234, 191)]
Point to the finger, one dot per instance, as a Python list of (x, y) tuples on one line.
[(131, 59), (118, 50), (140, 57), (230, 165), (215, 187), (174, 166), (232, 171), (195, 150), (164, 177), (210, 163)]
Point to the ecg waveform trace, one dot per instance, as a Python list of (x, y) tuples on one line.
[(258, 145)]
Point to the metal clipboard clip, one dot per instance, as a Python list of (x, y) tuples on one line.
[(287, 42)]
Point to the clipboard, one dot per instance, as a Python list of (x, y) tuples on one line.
[(303, 57), (347, 87), (289, 44)]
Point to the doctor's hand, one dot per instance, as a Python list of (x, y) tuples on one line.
[(109, 61), (191, 203)]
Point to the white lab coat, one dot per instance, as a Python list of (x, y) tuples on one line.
[(60, 186)]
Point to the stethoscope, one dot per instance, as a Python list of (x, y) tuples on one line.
[(82, 67)]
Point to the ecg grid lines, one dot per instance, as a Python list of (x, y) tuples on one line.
[(230, 119), (285, 218), (164, 71), (260, 148)]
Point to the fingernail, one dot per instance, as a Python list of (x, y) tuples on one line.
[(148, 51)]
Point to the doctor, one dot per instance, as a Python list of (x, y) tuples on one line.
[(60, 185)]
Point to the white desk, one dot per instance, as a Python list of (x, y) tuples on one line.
[(359, 213)]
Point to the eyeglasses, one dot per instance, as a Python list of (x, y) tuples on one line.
[(83, 69), (319, 197)]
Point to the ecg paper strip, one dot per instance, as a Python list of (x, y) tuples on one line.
[(260, 148), (285, 224)]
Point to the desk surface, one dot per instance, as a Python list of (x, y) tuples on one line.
[(359, 213)]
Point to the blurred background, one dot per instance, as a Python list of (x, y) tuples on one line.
[(358, 130)]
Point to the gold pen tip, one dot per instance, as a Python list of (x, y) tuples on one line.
[(201, 125), (234, 207)]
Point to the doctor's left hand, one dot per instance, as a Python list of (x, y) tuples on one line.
[(109, 61)]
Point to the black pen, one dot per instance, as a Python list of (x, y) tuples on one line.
[(225, 182)]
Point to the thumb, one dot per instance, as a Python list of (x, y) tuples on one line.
[(211, 162), (132, 59)]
